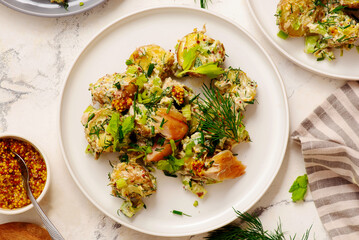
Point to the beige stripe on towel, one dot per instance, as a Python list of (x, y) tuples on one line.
[(329, 138)]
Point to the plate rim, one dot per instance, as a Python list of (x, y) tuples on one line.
[(229, 21), (294, 60), (55, 15)]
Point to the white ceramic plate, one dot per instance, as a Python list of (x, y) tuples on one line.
[(345, 67), (44, 8), (267, 122)]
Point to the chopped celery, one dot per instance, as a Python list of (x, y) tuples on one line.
[(296, 25), (89, 109), (141, 80), (157, 82), (188, 149), (282, 35), (310, 43), (132, 69), (143, 118), (186, 111), (89, 149), (121, 183), (173, 145)]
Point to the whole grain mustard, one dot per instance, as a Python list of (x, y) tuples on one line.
[(12, 192)]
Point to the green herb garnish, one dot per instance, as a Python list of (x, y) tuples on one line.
[(337, 9), (110, 163), (89, 119), (162, 122), (169, 107), (171, 165), (129, 62), (155, 98), (95, 130), (253, 230), (204, 3), (319, 3), (161, 141), (65, 5), (282, 35), (118, 85), (150, 69), (299, 188), (180, 213), (218, 116), (124, 158), (194, 98)]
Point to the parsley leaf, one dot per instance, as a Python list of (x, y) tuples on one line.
[(113, 128), (189, 56), (128, 125), (119, 130), (299, 188), (171, 165)]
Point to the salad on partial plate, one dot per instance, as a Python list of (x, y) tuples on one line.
[(325, 24)]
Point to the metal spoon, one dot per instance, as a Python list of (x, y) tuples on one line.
[(54, 233)]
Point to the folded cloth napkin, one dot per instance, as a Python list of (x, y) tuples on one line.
[(329, 138)]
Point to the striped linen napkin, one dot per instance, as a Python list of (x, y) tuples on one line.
[(329, 138)]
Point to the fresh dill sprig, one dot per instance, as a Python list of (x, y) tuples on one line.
[(253, 230), (218, 116), (204, 3)]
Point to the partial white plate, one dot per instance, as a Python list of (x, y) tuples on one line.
[(267, 122), (44, 8), (345, 67)]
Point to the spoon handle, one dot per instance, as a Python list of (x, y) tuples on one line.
[(54, 233)]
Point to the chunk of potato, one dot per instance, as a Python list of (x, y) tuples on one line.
[(293, 16), (162, 60), (197, 49)]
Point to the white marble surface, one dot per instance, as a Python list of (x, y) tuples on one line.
[(35, 56)]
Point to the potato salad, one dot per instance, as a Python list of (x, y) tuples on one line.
[(325, 24), (154, 121)]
